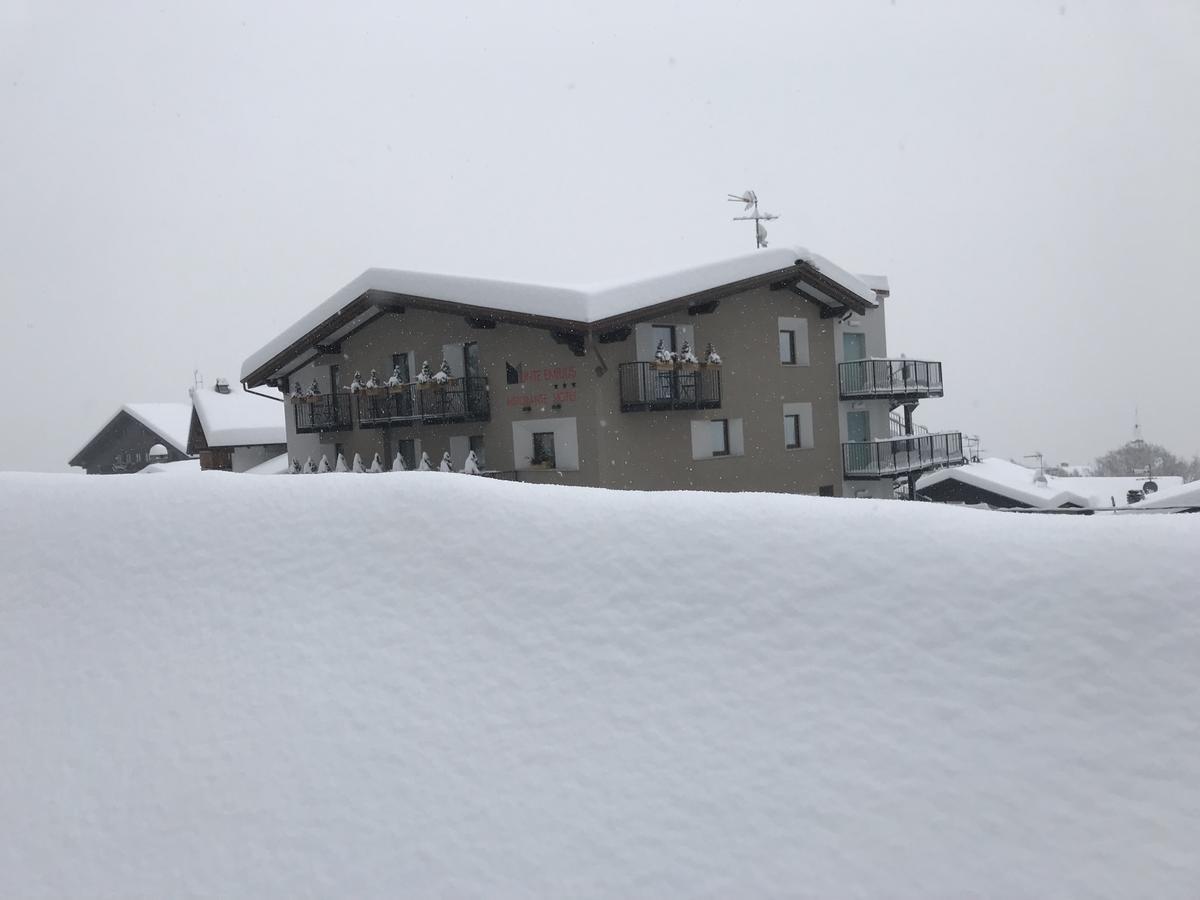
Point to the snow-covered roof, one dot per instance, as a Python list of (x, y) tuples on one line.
[(240, 418), (876, 283), (586, 305), (1172, 495), (276, 465), (170, 421), (1015, 481)]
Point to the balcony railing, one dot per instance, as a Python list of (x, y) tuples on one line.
[(901, 456), (891, 378), (327, 412), (645, 386), (459, 400)]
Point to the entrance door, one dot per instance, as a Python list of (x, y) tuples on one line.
[(854, 346), (859, 458)]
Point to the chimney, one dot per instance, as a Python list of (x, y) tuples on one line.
[(222, 386)]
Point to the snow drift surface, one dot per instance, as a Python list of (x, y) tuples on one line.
[(423, 684)]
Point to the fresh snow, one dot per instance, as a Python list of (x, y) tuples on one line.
[(504, 690), (1017, 482), (178, 467), (276, 465), (577, 304), (240, 418)]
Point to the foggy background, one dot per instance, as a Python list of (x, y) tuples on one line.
[(178, 183)]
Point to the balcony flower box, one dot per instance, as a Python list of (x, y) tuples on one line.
[(396, 388), (688, 366), (661, 366), (375, 391)]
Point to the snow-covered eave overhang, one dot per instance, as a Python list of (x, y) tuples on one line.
[(363, 302)]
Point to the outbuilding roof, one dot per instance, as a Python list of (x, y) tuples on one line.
[(239, 418), (1017, 482), (169, 421), (572, 308)]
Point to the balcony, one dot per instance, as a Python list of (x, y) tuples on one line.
[(868, 460), (326, 412), (645, 386), (459, 400), (890, 379)]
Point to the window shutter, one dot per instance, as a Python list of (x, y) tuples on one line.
[(453, 354)]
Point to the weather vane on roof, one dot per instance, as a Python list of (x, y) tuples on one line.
[(750, 199)]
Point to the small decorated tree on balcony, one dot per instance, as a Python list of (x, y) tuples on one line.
[(308, 466), (425, 376), (425, 465), (294, 468), (663, 358), (446, 465), (314, 389), (442, 375), (323, 465), (395, 381), (373, 382), (471, 466), (376, 464), (357, 465), (687, 358), (340, 465), (711, 357), (398, 464), (356, 385), (297, 391)]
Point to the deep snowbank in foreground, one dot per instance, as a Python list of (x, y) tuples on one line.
[(420, 684)]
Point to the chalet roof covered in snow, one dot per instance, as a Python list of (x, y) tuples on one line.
[(579, 309), (238, 418), (169, 421), (1018, 483)]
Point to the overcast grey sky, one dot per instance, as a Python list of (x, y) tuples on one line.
[(178, 182)]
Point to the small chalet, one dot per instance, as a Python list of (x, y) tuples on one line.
[(139, 434), (234, 430)]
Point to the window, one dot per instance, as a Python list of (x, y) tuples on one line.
[(791, 431), (720, 437), (826, 490), (476, 444), (666, 334), (335, 379), (787, 347), (543, 449), (512, 373), (400, 361), (472, 366), (717, 437), (793, 341), (798, 426)]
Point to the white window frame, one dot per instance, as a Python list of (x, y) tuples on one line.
[(799, 328), (806, 432)]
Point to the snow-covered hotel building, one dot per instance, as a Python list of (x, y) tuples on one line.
[(571, 386)]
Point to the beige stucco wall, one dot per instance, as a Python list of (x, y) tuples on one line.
[(639, 450)]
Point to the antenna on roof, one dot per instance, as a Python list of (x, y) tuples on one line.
[(197, 379), (750, 199), (1137, 430)]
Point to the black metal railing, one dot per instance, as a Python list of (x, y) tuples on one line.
[(645, 386), (458, 400), (900, 378), (901, 456), (327, 412)]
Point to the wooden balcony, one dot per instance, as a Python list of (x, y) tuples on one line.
[(889, 379), (645, 386), (869, 460)]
